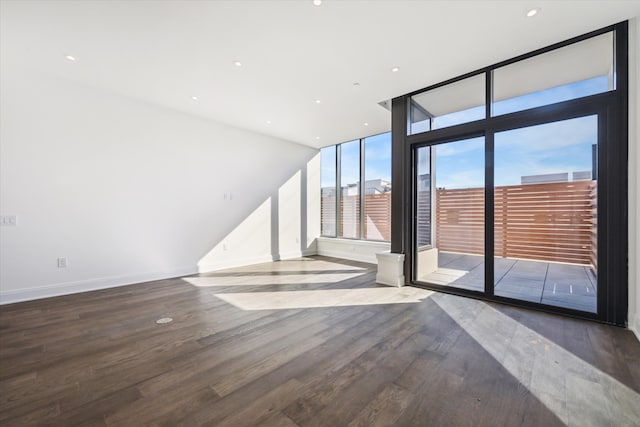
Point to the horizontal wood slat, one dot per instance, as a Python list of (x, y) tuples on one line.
[(550, 221), (460, 220), (377, 214), (593, 235)]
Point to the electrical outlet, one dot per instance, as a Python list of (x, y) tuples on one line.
[(9, 220), (62, 262), (224, 246)]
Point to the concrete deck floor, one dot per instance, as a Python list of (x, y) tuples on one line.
[(563, 285)]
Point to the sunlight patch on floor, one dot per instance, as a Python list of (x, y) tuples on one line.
[(551, 373), (276, 279), (325, 298), (443, 276)]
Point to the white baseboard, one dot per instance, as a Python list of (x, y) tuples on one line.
[(60, 289), (68, 288), (297, 254), (634, 324)]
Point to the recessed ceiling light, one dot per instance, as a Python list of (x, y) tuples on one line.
[(533, 12), (317, 2), (395, 69), (268, 122), (237, 63), (366, 124), (317, 137), (195, 98), (70, 58), (317, 101)]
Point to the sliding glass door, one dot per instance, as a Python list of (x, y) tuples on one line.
[(545, 213), (512, 180), (449, 199)]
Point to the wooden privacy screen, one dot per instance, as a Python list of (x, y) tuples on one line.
[(547, 222), (460, 220), (377, 214), (328, 215), (423, 218), (350, 216), (593, 260)]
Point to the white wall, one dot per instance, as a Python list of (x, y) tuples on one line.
[(634, 178), (356, 250), (130, 192)]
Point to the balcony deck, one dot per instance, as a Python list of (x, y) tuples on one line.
[(558, 284)]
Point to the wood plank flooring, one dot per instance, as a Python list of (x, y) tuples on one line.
[(307, 342)]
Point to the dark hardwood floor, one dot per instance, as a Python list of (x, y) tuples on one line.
[(308, 342)]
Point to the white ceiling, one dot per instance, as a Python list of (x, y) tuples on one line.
[(165, 52)]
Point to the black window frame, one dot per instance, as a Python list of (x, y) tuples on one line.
[(361, 188), (612, 110)]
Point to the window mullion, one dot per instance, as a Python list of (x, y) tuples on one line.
[(338, 190), (361, 213)]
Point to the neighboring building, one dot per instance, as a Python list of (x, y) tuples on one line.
[(371, 186), (377, 186), (582, 176), (544, 178), (555, 177)]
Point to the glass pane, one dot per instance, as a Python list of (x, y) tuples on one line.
[(578, 70), (424, 238), (377, 187), (328, 191), (453, 104), (450, 177), (545, 213), (350, 191)]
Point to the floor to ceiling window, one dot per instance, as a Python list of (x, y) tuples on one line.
[(517, 179), (328, 191), (360, 172), (350, 191), (377, 187)]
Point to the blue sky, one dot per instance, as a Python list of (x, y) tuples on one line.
[(377, 160), (550, 148)]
